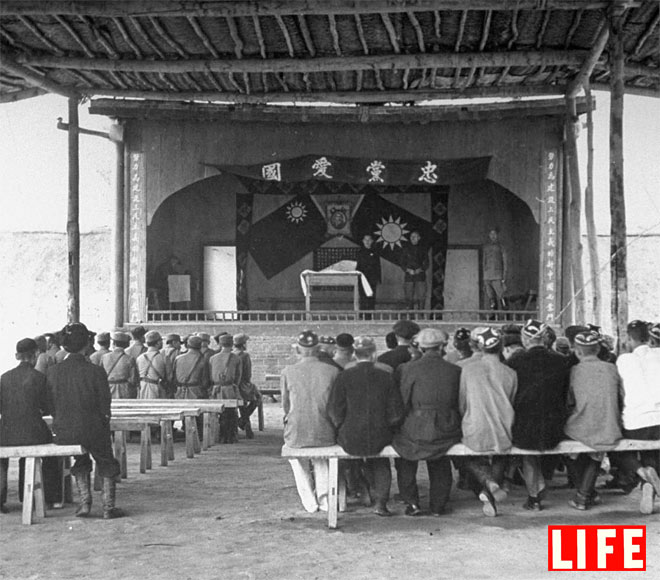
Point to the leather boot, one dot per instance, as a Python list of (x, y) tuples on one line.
[(84, 485), (110, 512), (249, 434)]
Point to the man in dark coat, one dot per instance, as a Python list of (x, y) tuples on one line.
[(365, 406), (540, 405), (368, 262), (23, 402), (404, 330), (429, 389), (80, 403)]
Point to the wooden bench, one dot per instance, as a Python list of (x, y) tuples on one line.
[(272, 389), (33, 491), (334, 453)]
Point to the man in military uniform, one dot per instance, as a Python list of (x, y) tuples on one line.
[(191, 375), (121, 369), (225, 375), (171, 350), (414, 263), (136, 347), (494, 270), (103, 340), (154, 369), (80, 404), (247, 389)]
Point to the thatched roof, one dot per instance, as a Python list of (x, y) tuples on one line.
[(352, 51)]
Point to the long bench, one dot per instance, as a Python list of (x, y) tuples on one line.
[(33, 491), (272, 389), (334, 453)]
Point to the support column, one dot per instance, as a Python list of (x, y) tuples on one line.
[(119, 234), (72, 224), (618, 250)]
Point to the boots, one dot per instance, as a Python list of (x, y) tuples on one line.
[(83, 482), (110, 512), (585, 485)]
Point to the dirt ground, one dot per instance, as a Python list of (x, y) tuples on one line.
[(233, 513)]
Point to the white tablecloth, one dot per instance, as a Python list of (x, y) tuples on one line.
[(334, 278)]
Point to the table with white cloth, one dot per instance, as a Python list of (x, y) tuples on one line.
[(311, 278)]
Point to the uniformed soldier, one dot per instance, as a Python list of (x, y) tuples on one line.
[(170, 352), (103, 340), (191, 375), (225, 373), (154, 369), (120, 368), (137, 347)]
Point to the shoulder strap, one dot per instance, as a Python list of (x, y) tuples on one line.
[(194, 368), (151, 366), (114, 364)]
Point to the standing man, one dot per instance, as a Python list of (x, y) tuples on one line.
[(103, 340), (191, 374), (494, 270), (365, 407), (414, 262), (540, 405), (306, 388), (225, 376), (121, 369), (153, 368), (80, 403), (170, 352), (326, 352), (248, 391), (136, 347), (23, 402), (432, 424), (368, 262)]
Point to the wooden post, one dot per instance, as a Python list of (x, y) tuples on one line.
[(574, 209), (73, 225), (119, 234), (592, 240), (618, 270)]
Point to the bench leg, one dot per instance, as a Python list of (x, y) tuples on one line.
[(260, 413), (145, 440), (196, 442), (206, 437), (120, 454), (163, 443), (170, 440), (333, 478), (190, 437), (33, 490)]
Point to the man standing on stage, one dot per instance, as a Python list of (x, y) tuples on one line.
[(494, 270), (368, 262), (414, 262)]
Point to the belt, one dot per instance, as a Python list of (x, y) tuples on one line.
[(149, 380), (118, 382), (184, 385)]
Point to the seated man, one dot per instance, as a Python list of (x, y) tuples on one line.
[(365, 406), (306, 388), (23, 402)]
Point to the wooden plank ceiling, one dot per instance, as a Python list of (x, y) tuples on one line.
[(371, 52)]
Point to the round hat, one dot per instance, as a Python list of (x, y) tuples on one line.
[(307, 338), (589, 338), (240, 339), (217, 336), (364, 344), (119, 336), (26, 345), (327, 340), (172, 337), (103, 337), (205, 336), (344, 340), (194, 342), (533, 328), (490, 338), (152, 336), (226, 340), (74, 336), (139, 331), (462, 334), (430, 338), (406, 329)]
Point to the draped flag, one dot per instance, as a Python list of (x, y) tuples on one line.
[(287, 235), (390, 225)]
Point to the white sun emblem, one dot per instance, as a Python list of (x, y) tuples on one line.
[(391, 232), (296, 212)]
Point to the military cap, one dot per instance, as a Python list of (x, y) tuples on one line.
[(26, 345), (138, 332), (654, 330), (489, 338), (119, 336), (194, 342), (364, 344), (462, 334), (240, 339), (307, 338), (172, 337), (103, 337), (152, 336), (430, 338), (217, 336), (344, 340), (205, 336), (406, 329), (226, 340), (74, 336), (533, 328), (327, 340), (589, 338)]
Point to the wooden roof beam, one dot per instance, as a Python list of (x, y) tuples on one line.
[(21, 95), (35, 80), (576, 85), (296, 65), (184, 8)]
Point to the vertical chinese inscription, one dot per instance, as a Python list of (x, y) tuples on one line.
[(137, 241), (550, 239)]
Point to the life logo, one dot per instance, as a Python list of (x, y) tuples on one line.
[(596, 548)]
